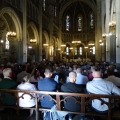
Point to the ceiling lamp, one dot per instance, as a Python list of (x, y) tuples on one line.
[(63, 45), (71, 48), (91, 44), (45, 45), (11, 34), (112, 25), (76, 42), (85, 47), (33, 40)]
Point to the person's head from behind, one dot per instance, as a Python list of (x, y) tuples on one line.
[(26, 78), (48, 72), (72, 77), (96, 72), (24, 67), (110, 71), (7, 72), (36, 74), (79, 70)]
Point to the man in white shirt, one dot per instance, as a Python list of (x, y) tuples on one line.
[(101, 86), (81, 79), (111, 77)]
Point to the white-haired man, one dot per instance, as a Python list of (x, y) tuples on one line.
[(8, 83)]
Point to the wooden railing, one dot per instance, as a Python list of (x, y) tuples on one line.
[(84, 100)]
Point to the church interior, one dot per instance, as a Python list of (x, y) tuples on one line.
[(59, 30)]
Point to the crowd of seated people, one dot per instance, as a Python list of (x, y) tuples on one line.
[(65, 77)]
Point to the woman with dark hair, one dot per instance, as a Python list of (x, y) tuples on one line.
[(61, 78), (36, 76)]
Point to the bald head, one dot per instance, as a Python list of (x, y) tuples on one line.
[(72, 77)]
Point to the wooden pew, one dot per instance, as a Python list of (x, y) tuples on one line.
[(84, 102)]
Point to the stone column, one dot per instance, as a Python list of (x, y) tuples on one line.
[(107, 30), (24, 9), (50, 41), (39, 42), (117, 31), (103, 12), (98, 31)]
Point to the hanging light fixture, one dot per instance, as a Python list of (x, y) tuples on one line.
[(11, 34), (33, 40)]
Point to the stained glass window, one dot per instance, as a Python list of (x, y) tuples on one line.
[(80, 50), (76, 51), (67, 23), (91, 20), (80, 23), (44, 5), (67, 50)]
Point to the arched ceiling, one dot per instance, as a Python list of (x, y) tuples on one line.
[(61, 1), (78, 8)]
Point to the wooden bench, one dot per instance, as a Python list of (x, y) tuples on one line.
[(84, 102)]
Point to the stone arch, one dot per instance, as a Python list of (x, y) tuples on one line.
[(71, 1), (46, 36), (15, 19), (68, 43), (35, 31), (91, 42)]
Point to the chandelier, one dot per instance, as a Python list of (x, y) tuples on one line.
[(63, 45), (33, 40), (45, 45), (76, 42), (11, 34), (112, 25)]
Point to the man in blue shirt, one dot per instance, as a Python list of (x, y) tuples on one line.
[(47, 84)]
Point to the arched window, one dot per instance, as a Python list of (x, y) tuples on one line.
[(76, 51), (80, 50), (91, 20), (67, 50), (93, 49), (80, 23), (67, 23), (44, 5)]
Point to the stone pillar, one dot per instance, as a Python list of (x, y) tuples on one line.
[(107, 30), (50, 41), (103, 12), (117, 31), (20, 51), (113, 48), (24, 9), (98, 31), (39, 42)]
